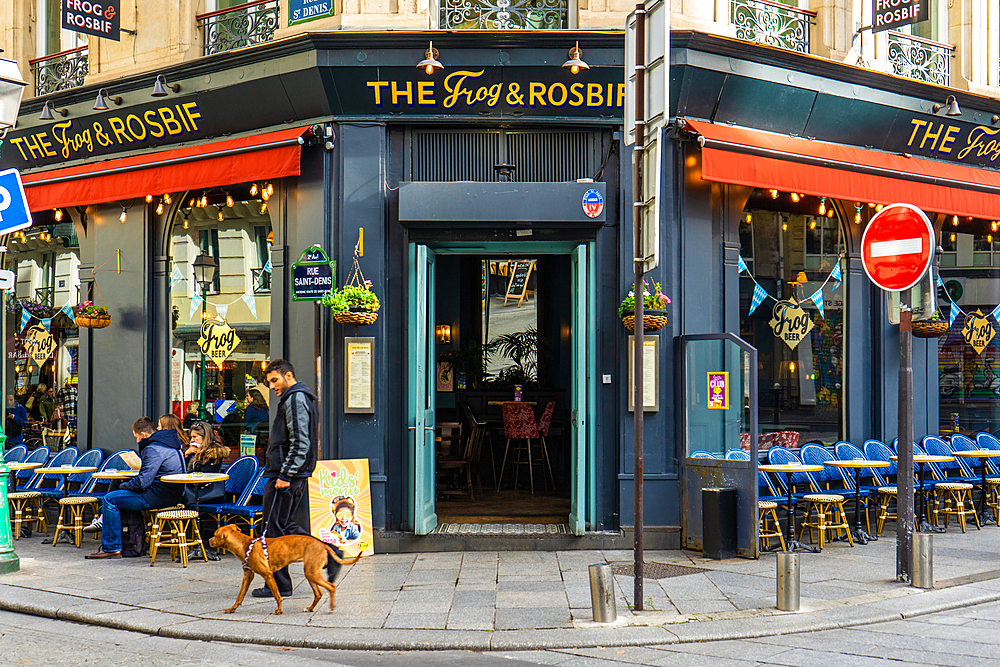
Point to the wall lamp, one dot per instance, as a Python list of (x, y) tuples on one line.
[(160, 86), (575, 62), (951, 104), (442, 333), (101, 103), (430, 62), (48, 109)]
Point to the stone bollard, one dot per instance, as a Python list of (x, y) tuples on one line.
[(922, 566), (788, 581), (602, 593)]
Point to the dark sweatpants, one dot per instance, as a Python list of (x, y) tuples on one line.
[(280, 506)]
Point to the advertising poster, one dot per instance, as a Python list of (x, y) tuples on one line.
[(718, 391), (340, 505)]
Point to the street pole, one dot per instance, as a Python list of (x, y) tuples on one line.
[(638, 260), (9, 561), (203, 380), (904, 458)]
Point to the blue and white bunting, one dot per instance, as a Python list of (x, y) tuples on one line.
[(251, 302), (817, 299), (758, 295), (837, 277), (68, 311), (940, 282), (221, 309), (25, 318), (195, 304), (268, 267), (175, 277), (742, 265), (952, 315), (996, 313), (47, 323)]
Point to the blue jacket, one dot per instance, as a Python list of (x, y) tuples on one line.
[(161, 454), (19, 414)]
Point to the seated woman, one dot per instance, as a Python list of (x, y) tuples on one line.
[(205, 452)]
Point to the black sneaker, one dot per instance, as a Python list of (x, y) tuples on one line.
[(265, 592)]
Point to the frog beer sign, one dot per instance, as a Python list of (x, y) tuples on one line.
[(978, 332), (218, 341), (790, 323)]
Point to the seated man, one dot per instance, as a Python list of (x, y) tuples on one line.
[(162, 454)]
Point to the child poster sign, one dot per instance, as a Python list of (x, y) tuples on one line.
[(340, 505)]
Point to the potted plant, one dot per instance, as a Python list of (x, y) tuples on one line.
[(352, 304), (654, 315), (932, 328), (91, 316)]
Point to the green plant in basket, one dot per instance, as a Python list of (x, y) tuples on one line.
[(88, 309), (655, 300), (351, 299)]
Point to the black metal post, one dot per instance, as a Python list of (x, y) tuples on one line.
[(638, 261), (904, 458)]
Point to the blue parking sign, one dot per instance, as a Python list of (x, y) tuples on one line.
[(14, 213)]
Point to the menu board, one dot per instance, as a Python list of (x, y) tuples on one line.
[(517, 288), (358, 378)]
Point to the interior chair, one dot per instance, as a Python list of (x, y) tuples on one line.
[(478, 434), (786, 439), (77, 503), (519, 424), (457, 465), (702, 454)]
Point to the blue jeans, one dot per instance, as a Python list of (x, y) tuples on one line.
[(114, 503)]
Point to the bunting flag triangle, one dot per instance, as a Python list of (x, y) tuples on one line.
[(251, 302), (817, 299), (195, 304), (25, 318), (47, 323), (996, 313), (268, 267), (837, 276), (940, 283), (175, 277), (952, 315), (742, 265), (758, 295), (68, 310), (221, 309)]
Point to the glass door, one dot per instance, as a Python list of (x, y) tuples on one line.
[(421, 420)]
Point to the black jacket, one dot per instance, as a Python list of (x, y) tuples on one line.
[(291, 451), (161, 455)]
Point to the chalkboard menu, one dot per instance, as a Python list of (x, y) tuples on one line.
[(517, 288)]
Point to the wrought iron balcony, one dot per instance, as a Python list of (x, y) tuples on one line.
[(504, 14), (918, 58), (60, 71), (243, 25), (261, 281), (771, 23), (45, 296)]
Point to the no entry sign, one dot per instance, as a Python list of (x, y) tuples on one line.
[(897, 247)]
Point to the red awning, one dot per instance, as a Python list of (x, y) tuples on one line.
[(760, 159), (257, 157)]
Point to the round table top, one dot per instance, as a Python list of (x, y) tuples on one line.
[(116, 474), (66, 470), (195, 478), (928, 458), (24, 466), (979, 453), (858, 463), (789, 467)]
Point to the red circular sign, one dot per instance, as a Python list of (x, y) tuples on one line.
[(898, 246)]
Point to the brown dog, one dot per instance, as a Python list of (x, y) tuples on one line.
[(280, 552)]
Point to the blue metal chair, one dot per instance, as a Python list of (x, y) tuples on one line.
[(989, 441), (50, 485), (740, 455), (959, 443), (76, 503), (77, 480), (952, 471), (243, 509), (876, 450), (830, 479), (242, 471), (15, 454), (24, 478), (780, 455), (25, 496), (702, 454), (845, 451), (115, 461)]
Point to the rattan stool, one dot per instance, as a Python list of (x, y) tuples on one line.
[(767, 517), (957, 500), (993, 495), (177, 523), (829, 508), (76, 505), (886, 494), (20, 503)]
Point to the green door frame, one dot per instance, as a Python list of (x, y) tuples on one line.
[(583, 501)]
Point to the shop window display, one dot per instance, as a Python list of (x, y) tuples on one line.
[(233, 227), (792, 311)]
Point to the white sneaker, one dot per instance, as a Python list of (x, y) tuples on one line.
[(95, 525)]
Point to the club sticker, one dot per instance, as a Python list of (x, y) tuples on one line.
[(593, 203)]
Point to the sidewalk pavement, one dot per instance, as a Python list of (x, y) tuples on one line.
[(499, 600)]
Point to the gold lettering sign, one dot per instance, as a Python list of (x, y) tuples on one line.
[(38, 343), (978, 331), (218, 340), (790, 323)]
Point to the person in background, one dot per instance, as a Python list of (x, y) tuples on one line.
[(191, 415), (34, 403), (66, 400), (17, 419), (46, 405), (255, 412)]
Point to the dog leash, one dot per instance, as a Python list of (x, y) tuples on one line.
[(262, 539)]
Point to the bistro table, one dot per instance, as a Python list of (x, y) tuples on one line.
[(111, 473), (860, 534), (789, 469), (16, 466), (920, 460), (985, 514), (197, 480), (65, 470)]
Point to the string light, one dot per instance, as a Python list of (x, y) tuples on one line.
[(263, 207), (953, 237), (270, 189), (954, 220), (159, 208), (204, 200), (812, 224), (192, 203), (857, 214), (774, 194), (749, 217), (185, 222), (784, 226), (229, 200), (795, 197), (989, 239), (878, 207), (253, 189), (822, 205), (166, 199), (993, 225), (829, 213), (124, 216), (871, 204), (149, 199), (59, 215), (219, 216), (264, 194)]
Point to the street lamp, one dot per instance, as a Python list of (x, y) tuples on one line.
[(204, 275), (11, 89)]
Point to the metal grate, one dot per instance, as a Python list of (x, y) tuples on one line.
[(527, 156), (505, 529), (657, 570)]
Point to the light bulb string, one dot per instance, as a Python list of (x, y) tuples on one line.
[(798, 303)]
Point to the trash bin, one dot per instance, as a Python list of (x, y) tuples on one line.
[(718, 523)]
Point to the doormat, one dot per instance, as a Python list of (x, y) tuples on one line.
[(657, 570), (504, 529)]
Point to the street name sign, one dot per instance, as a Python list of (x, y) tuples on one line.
[(897, 247), (312, 275)]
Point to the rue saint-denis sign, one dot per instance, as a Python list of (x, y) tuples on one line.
[(312, 275), (892, 14), (100, 18)]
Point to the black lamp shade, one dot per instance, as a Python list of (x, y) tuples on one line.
[(204, 269)]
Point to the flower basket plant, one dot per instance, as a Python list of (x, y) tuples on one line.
[(653, 303), (90, 316), (932, 328), (351, 304)]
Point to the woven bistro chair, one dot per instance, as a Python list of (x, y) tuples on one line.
[(768, 500), (828, 504), (77, 503), (876, 450), (990, 441), (25, 497), (953, 493), (177, 524)]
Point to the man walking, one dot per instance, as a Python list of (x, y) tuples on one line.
[(289, 462)]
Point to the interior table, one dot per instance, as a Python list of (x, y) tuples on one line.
[(860, 534), (789, 469), (920, 460), (196, 479), (985, 514)]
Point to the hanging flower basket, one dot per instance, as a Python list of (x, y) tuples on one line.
[(90, 316), (652, 320), (354, 303), (654, 317), (931, 328)]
